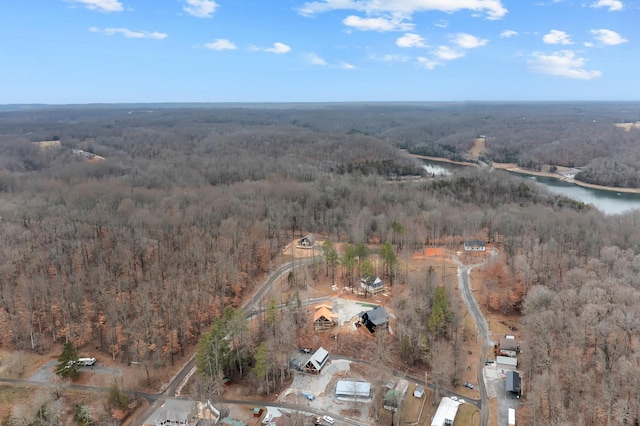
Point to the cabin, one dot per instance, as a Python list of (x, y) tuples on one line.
[(352, 390), (513, 383), (377, 317), (324, 318), (475, 245), (307, 241), (446, 412), (317, 361), (174, 411), (372, 285)]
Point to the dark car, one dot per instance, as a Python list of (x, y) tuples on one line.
[(468, 385)]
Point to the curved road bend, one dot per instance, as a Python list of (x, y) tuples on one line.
[(186, 370), (481, 326)]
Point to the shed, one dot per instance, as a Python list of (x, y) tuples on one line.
[(446, 412), (317, 361), (418, 391), (377, 317), (512, 417), (513, 383), (307, 241), (392, 400), (348, 389), (506, 362)]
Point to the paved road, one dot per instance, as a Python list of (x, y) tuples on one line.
[(481, 326)]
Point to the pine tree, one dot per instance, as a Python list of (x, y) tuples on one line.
[(68, 366)]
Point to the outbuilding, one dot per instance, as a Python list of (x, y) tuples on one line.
[(513, 383), (353, 390), (418, 391), (506, 363)]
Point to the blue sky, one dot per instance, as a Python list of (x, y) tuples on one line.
[(88, 51)]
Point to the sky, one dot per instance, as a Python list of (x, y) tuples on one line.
[(124, 51)]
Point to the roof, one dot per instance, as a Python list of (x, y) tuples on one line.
[(418, 390), (319, 358), (447, 410), (513, 381), (480, 243), (309, 238), (393, 395), (323, 312), (372, 281), (377, 315), (174, 410), (508, 344), (351, 388), (507, 360), (512, 416)]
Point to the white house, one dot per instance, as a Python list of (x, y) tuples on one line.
[(446, 412), (475, 245)]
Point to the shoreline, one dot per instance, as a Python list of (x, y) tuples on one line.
[(510, 167)]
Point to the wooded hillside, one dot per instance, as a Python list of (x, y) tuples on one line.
[(138, 252)]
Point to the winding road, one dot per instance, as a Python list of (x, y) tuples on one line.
[(481, 326)]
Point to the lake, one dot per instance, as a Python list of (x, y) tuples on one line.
[(608, 202)]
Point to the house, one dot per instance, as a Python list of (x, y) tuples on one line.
[(506, 363), (324, 318), (353, 391), (475, 245), (446, 412), (372, 285), (307, 242), (513, 383), (317, 361), (418, 391), (175, 412), (508, 347), (377, 317)]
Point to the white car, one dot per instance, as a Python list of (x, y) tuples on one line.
[(329, 420), (461, 401), (267, 419)]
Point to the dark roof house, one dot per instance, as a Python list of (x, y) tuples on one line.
[(377, 317), (475, 245)]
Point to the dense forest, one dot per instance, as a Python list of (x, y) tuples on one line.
[(140, 247)]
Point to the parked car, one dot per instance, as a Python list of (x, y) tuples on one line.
[(455, 398), (461, 401), (267, 418), (468, 385), (488, 361), (306, 350), (329, 420)]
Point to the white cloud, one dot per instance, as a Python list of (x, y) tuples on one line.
[(410, 40), (441, 24), (277, 48), (492, 8), (129, 33), (314, 59), (220, 44), (468, 41), (508, 34), (562, 64), (377, 24), (200, 8), (390, 58), (428, 63), (345, 66), (556, 37), (613, 5), (608, 37), (102, 5), (446, 53)]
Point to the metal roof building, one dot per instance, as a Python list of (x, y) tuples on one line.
[(446, 412), (351, 389)]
